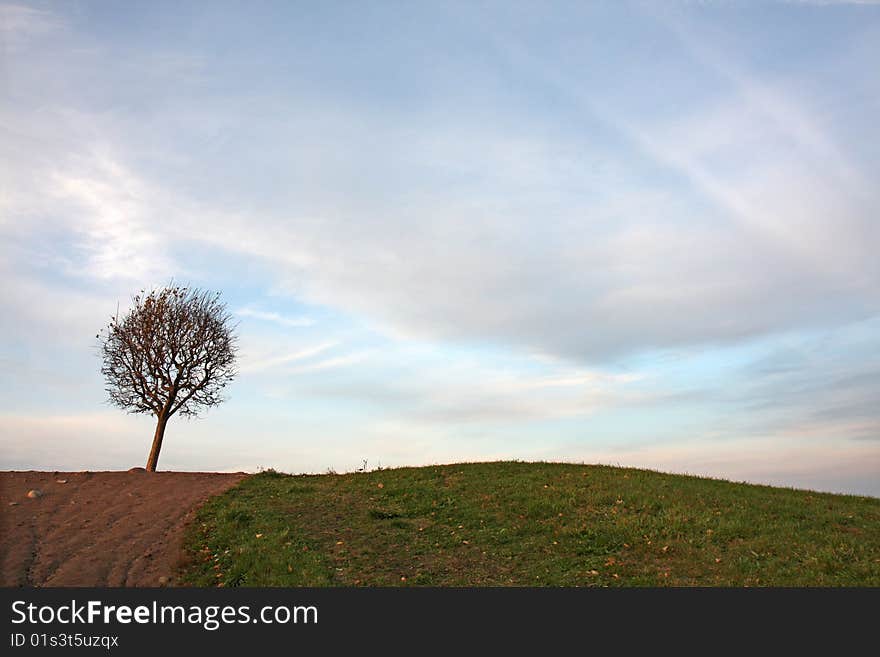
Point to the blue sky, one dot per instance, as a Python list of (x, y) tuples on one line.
[(610, 232)]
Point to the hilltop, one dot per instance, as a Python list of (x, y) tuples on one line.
[(529, 524)]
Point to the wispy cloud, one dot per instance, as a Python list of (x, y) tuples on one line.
[(111, 211), (276, 318), (250, 366), (456, 391), (331, 363), (20, 23)]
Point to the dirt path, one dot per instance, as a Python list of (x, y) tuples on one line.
[(98, 528)]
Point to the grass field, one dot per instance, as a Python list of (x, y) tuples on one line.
[(529, 524)]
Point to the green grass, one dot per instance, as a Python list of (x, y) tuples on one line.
[(529, 524)]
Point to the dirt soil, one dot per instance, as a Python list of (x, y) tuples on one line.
[(98, 528)]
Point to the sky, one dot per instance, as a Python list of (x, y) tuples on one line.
[(632, 233)]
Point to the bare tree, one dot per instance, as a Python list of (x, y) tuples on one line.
[(173, 352)]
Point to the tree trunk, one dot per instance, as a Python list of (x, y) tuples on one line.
[(153, 460)]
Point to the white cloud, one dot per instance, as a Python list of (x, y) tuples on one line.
[(112, 212), (544, 241), (423, 393), (19, 24), (331, 363), (293, 322), (250, 364), (597, 283)]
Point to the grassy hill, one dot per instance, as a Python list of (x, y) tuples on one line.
[(529, 524)]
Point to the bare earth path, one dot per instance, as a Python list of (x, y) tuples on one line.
[(98, 528)]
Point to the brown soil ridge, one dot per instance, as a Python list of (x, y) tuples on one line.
[(99, 528)]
